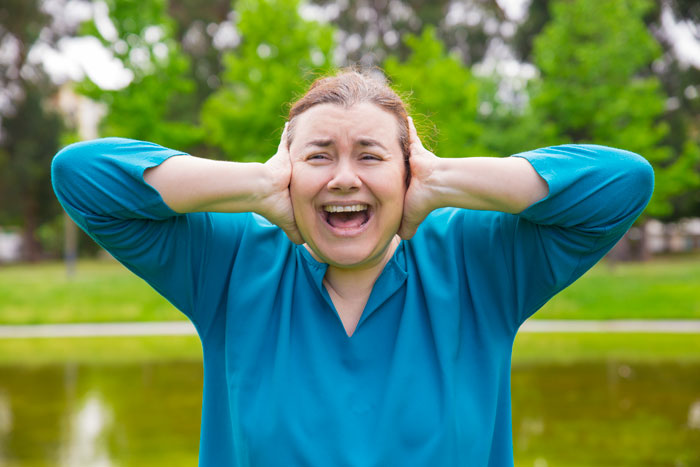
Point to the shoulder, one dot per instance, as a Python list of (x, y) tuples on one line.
[(445, 223), (260, 240), (457, 232), (590, 164)]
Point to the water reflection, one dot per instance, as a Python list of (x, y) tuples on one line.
[(101, 415), (609, 413), (86, 444), (694, 416)]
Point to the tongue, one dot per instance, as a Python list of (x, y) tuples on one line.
[(347, 220)]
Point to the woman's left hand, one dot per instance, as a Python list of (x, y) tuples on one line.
[(420, 199)]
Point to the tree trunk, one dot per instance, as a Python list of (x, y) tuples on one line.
[(31, 248)]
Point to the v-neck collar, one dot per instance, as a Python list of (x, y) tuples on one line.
[(389, 281)]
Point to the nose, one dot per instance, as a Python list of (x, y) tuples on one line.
[(345, 178)]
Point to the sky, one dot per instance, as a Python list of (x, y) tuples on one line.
[(77, 57)]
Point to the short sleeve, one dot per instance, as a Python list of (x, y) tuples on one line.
[(186, 258), (595, 195), (506, 266)]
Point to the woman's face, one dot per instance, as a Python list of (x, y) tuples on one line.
[(347, 184)]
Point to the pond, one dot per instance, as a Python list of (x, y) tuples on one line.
[(587, 414)]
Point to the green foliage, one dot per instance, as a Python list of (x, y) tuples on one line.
[(467, 115), (592, 88), (26, 158), (159, 104), (596, 88), (679, 178), (29, 131), (279, 55), (595, 85), (511, 128), (25, 166), (440, 88)]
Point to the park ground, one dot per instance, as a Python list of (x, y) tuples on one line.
[(104, 291)]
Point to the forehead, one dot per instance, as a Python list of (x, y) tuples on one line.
[(345, 125)]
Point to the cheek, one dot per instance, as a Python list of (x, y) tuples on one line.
[(299, 182), (304, 185), (389, 186)]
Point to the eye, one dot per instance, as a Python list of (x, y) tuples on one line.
[(370, 157), (317, 157)]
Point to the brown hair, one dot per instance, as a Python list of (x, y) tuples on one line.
[(347, 88)]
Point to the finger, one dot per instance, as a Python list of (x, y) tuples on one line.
[(412, 129), (407, 230), (414, 133), (283, 139), (293, 234)]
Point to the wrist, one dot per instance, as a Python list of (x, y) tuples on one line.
[(435, 184), (267, 181)]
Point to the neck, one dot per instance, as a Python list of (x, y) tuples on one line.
[(358, 281)]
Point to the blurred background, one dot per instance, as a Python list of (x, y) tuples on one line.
[(215, 77)]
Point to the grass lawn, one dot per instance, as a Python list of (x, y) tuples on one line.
[(100, 291), (100, 350), (529, 349), (105, 291), (667, 288), (572, 348)]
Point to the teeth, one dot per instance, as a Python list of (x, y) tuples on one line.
[(353, 208)]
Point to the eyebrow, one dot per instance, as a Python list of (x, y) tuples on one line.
[(371, 142), (324, 143)]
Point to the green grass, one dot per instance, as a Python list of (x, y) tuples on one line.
[(667, 288), (571, 348), (105, 291), (100, 291), (100, 350)]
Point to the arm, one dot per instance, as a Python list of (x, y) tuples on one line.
[(192, 184), (187, 257), (545, 237), (482, 183)]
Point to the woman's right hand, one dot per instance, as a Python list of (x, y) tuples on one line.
[(276, 206)]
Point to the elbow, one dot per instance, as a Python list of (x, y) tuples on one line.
[(63, 167), (69, 167), (640, 178)]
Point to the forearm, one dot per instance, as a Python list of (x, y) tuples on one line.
[(192, 184), (485, 183)]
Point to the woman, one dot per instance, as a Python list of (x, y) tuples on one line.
[(352, 344)]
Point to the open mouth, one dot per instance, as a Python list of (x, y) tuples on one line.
[(346, 217)]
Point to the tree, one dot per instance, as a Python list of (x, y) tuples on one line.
[(439, 88), (677, 80), (197, 26), (596, 88), (160, 103), (29, 131), (371, 31), (279, 55), (33, 137)]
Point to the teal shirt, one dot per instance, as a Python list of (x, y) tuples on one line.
[(425, 378)]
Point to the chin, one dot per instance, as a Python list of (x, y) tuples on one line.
[(343, 257), (348, 255)]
